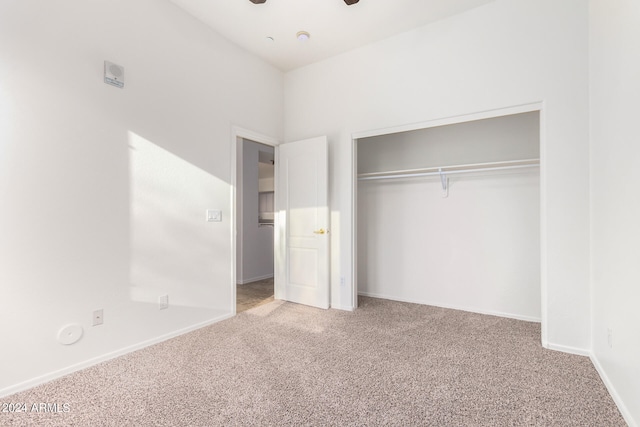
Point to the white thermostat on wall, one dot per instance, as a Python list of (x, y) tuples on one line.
[(214, 215), (113, 74)]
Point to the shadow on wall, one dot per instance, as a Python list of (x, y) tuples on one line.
[(174, 250)]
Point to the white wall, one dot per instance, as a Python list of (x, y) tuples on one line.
[(615, 197), (478, 249), (104, 190), (498, 139), (506, 53), (257, 241)]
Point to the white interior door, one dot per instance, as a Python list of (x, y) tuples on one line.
[(302, 222)]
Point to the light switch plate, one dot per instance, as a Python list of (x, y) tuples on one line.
[(163, 302), (214, 215)]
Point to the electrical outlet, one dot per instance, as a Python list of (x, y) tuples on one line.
[(610, 337), (342, 282), (98, 317), (163, 302)]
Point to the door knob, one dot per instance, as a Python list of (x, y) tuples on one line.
[(321, 231)]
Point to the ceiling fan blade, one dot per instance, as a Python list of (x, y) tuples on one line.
[(348, 2)]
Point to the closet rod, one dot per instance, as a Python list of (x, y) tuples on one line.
[(448, 170)]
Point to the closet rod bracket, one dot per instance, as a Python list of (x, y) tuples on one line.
[(445, 183)]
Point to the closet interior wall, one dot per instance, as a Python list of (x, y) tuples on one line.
[(476, 248)]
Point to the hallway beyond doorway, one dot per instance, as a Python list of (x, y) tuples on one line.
[(253, 294)]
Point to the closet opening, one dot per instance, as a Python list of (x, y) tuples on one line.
[(449, 215)]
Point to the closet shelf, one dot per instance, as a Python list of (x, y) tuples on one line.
[(449, 170)]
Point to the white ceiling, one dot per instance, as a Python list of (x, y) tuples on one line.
[(334, 26)]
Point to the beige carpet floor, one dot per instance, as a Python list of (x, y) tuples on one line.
[(253, 294), (387, 363)]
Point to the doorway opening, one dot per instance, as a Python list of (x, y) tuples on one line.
[(254, 223), (298, 256)]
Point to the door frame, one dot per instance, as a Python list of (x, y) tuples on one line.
[(238, 133)]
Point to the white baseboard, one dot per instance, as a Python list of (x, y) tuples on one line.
[(612, 391), (103, 358), (255, 279), (454, 307), (568, 349), (343, 307)]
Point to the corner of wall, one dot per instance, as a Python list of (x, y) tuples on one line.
[(622, 407)]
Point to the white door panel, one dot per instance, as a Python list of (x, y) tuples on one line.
[(303, 222)]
